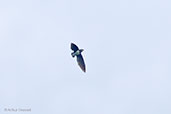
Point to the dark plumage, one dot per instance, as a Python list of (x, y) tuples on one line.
[(80, 60), (74, 47)]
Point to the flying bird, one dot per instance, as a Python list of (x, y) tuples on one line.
[(77, 53)]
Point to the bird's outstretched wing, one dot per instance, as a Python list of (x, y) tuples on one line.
[(74, 47), (81, 63)]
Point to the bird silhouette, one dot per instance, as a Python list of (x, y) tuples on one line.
[(77, 52)]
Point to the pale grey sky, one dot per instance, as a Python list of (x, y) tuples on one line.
[(126, 49)]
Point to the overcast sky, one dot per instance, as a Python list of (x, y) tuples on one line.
[(127, 51)]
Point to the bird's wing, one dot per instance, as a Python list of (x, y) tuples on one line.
[(81, 63), (74, 47)]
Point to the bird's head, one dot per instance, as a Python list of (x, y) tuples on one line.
[(81, 50)]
